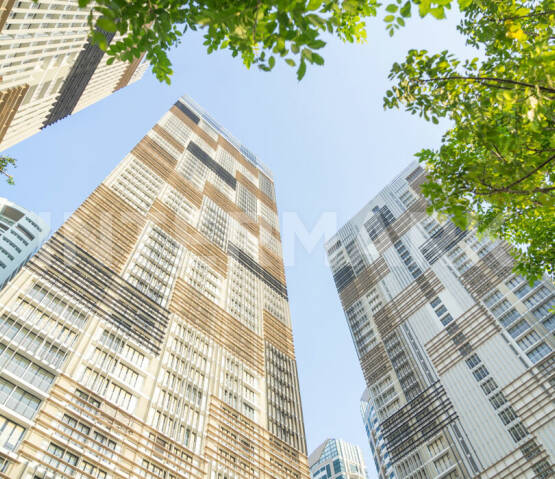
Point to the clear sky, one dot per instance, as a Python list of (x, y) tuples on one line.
[(329, 143)]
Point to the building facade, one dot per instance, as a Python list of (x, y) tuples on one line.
[(337, 459), (371, 423), (49, 68), (21, 234), (150, 337), (456, 351)]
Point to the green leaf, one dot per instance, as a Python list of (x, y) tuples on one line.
[(405, 10), (317, 59), (106, 24), (389, 18), (301, 70), (314, 4), (290, 62), (391, 8), (438, 12)]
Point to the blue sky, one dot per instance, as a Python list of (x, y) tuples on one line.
[(328, 141)]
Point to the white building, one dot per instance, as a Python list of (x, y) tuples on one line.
[(337, 459), (456, 350), (21, 234)]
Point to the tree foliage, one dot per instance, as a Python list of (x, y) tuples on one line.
[(495, 168), (5, 163), (260, 31)]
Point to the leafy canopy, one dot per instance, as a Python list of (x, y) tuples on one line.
[(259, 31), (5, 163), (495, 168)]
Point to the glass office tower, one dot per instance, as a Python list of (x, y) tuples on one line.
[(337, 459), (456, 351), (150, 337)]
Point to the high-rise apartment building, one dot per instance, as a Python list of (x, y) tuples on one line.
[(375, 437), (150, 337), (21, 234), (48, 67), (456, 351), (337, 459)]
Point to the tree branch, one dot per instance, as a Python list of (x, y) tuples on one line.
[(489, 79), (550, 159)]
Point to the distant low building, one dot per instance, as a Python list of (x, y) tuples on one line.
[(337, 459), (21, 234)]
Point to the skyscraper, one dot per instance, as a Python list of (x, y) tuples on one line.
[(375, 437), (21, 234), (49, 68), (456, 351), (337, 459), (150, 337)]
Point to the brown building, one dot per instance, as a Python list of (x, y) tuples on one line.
[(150, 337), (48, 67)]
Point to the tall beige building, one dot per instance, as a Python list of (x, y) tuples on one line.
[(48, 67), (150, 337)]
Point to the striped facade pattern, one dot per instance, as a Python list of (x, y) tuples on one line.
[(48, 67), (456, 351), (150, 337)]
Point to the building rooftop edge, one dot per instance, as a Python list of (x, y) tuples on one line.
[(404, 172), (239, 146)]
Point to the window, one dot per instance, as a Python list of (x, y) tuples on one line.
[(507, 415), (488, 386), (442, 463), (153, 267), (266, 186), (436, 447), (518, 432), (531, 338), (542, 311), (500, 308), (214, 223), (509, 317), (445, 320), (17, 399), (10, 434), (514, 282), (441, 310), (91, 470), (137, 185), (203, 278), (473, 361), (173, 125), (537, 297), (497, 400), (247, 202), (480, 373), (493, 298), (61, 459), (543, 469), (538, 352), (407, 198), (180, 205), (519, 328), (193, 169), (523, 290)]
